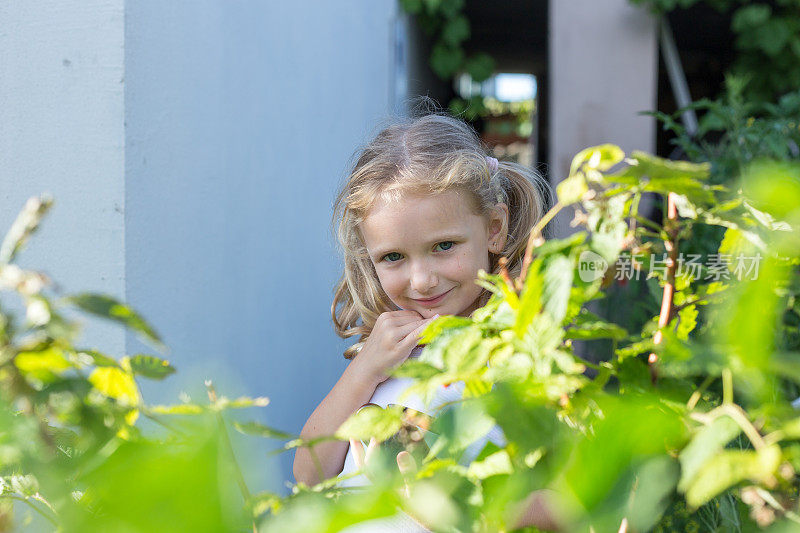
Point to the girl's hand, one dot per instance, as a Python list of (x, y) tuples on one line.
[(393, 337), (405, 463)]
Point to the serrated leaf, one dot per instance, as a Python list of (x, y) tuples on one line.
[(458, 348), (372, 421), (110, 308), (558, 277), (436, 327), (150, 366)]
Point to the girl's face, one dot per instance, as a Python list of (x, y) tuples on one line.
[(427, 250)]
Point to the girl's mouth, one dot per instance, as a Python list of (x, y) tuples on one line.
[(432, 301)]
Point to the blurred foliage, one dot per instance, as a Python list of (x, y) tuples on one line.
[(688, 427), (71, 454), (478, 106), (767, 40), (446, 23)]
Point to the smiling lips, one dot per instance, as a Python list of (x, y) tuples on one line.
[(432, 301)]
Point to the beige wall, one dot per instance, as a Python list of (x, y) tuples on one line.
[(603, 71)]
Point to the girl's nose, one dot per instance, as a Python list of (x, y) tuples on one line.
[(423, 279)]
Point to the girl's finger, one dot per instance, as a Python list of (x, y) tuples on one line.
[(373, 445), (402, 331), (408, 468), (412, 338), (358, 452), (406, 464)]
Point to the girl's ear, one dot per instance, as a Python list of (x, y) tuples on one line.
[(498, 228)]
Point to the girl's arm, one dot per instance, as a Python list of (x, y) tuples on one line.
[(394, 335), (354, 389)]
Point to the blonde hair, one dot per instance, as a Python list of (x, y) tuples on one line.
[(432, 153)]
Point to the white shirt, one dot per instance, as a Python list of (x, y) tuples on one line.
[(390, 391)]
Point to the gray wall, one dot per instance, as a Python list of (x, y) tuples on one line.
[(194, 150)]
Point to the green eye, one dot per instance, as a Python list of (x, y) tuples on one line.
[(446, 245), (391, 254)]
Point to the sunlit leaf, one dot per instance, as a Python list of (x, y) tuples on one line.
[(729, 467), (705, 444), (150, 366), (108, 307), (115, 383), (371, 421)]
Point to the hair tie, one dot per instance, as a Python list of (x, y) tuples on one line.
[(493, 164)]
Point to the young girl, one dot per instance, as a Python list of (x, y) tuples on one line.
[(424, 209)]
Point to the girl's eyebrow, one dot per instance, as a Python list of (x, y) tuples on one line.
[(446, 237)]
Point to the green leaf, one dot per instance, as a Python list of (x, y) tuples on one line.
[(43, 365), (572, 189), (448, 8), (416, 369), (110, 308), (601, 157), (372, 421), (99, 359), (26, 223), (530, 302), (687, 321), (150, 366), (446, 60), (753, 15), (260, 430), (589, 326), (178, 409), (654, 174), (441, 324), (457, 351), (480, 67), (411, 7), (558, 277), (459, 426), (729, 467), (705, 444), (115, 383), (456, 30), (495, 464)]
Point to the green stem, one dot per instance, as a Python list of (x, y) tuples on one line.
[(695, 397), (238, 471), (727, 386), (32, 506), (535, 232)]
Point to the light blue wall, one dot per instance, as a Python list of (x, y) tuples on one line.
[(194, 149), (240, 119), (62, 131)]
